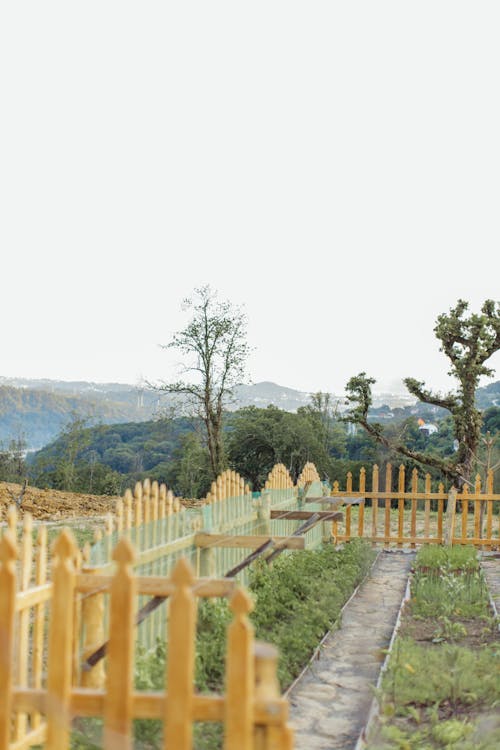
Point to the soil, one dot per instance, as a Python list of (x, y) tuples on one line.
[(53, 505), (479, 632)]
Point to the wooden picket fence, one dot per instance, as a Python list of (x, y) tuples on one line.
[(395, 515), (279, 478), (35, 709)]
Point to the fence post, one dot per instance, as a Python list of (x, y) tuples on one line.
[(266, 737), (450, 517), (239, 676), (264, 512), (8, 554)]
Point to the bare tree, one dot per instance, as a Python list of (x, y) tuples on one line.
[(215, 349), (18, 498), (468, 342)]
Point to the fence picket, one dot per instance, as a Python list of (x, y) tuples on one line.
[(388, 488), (39, 616), (361, 511), (401, 504), (348, 489), (427, 512), (8, 555), (23, 649), (60, 661), (414, 501), (375, 481), (118, 710), (239, 676), (180, 668)]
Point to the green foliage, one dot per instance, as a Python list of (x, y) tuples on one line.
[(448, 582), (440, 558), (283, 613), (109, 458), (189, 471), (259, 438), (422, 676)]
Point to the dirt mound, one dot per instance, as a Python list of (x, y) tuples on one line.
[(53, 504)]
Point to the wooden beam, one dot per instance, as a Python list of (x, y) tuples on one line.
[(311, 521), (303, 515), (336, 502), (268, 545), (203, 539)]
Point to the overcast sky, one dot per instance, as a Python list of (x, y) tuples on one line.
[(332, 166)]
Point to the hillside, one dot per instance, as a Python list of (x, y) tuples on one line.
[(39, 409), (39, 415)]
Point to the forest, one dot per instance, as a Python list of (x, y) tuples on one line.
[(105, 459)]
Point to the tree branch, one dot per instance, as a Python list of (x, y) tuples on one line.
[(417, 388)]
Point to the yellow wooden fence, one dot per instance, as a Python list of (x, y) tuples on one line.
[(36, 709), (397, 515), (279, 478)]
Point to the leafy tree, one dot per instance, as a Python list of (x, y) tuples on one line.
[(189, 471), (76, 439), (468, 342), (214, 344), (331, 430), (259, 438)]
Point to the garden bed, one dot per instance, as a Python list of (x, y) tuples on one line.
[(441, 688)]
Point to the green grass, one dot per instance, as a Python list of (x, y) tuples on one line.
[(448, 582), (437, 558)]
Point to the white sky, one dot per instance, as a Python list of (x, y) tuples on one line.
[(332, 166)]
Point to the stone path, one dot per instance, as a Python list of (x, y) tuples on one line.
[(491, 568), (329, 705)]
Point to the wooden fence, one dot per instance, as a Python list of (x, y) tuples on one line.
[(162, 530), (396, 515), (35, 709)]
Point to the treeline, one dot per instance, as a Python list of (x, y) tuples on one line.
[(108, 458)]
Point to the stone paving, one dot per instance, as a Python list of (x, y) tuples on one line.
[(330, 703), (491, 568)]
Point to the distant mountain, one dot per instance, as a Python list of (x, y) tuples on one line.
[(39, 409), (38, 415), (266, 393)]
